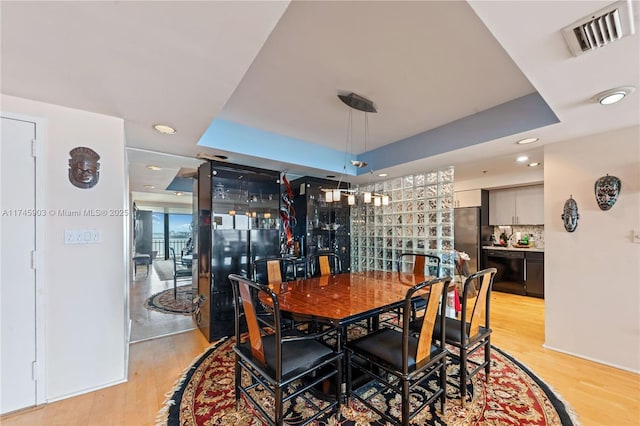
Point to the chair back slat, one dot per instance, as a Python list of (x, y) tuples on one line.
[(325, 269), (478, 315), (418, 264), (255, 338), (430, 316), (422, 264), (274, 273)]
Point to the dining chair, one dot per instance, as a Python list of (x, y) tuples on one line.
[(471, 332), (322, 264), (400, 361), (273, 272), (284, 364), (179, 272), (419, 263)]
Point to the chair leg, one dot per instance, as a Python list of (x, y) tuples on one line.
[(347, 363), (405, 402), (487, 358), (443, 385), (463, 376), (175, 288), (238, 375), (278, 407), (338, 390)]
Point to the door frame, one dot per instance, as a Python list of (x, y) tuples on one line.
[(40, 172)]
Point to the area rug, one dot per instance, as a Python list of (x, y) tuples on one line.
[(204, 395), (183, 304), (164, 269)]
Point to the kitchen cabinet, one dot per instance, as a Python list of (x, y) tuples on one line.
[(468, 198), (519, 271), (517, 206), (534, 274)]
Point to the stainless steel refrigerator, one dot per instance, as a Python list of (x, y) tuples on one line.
[(470, 228)]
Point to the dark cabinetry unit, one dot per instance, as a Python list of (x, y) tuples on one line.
[(519, 272), (510, 266), (321, 227), (534, 276), (238, 222)]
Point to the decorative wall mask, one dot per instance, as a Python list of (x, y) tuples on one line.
[(83, 167), (570, 215), (607, 189)]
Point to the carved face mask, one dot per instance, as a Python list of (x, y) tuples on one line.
[(607, 189), (83, 167), (570, 215)]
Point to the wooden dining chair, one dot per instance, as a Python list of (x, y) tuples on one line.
[(419, 263), (287, 365), (471, 332), (323, 264), (410, 359)]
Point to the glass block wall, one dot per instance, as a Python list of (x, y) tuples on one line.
[(418, 218)]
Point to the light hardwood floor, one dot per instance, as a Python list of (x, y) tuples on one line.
[(599, 395), (145, 323)]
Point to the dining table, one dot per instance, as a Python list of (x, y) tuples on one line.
[(343, 299), (346, 298)]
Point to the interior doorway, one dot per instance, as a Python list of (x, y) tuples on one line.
[(21, 282)]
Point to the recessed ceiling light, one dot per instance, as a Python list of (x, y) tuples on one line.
[(612, 96), (149, 187), (533, 164), (164, 129), (178, 193), (522, 159), (154, 168), (527, 140), (383, 175)]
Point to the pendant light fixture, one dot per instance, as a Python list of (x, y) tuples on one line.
[(359, 103)]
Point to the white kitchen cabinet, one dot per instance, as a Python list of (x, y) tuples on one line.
[(517, 206), (468, 198)]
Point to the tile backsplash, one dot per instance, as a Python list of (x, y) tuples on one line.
[(536, 232)]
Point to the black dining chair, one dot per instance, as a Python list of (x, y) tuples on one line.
[(409, 359), (322, 264), (471, 332), (180, 272), (273, 359), (419, 263)]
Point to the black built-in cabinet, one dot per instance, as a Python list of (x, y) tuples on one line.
[(321, 226), (238, 222)]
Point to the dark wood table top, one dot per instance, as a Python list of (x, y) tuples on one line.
[(345, 298)]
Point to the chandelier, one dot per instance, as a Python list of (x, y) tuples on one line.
[(360, 103)]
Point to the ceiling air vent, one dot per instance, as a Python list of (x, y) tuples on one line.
[(601, 28)]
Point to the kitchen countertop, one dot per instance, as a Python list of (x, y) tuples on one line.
[(513, 248)]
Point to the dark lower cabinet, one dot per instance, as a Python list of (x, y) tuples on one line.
[(534, 274)]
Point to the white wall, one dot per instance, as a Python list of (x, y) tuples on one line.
[(528, 176), (592, 276), (85, 285)]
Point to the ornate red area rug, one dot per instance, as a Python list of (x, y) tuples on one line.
[(164, 301), (512, 396)]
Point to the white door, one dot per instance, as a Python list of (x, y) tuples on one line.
[(18, 275)]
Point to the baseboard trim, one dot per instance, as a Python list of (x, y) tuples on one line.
[(88, 390), (598, 361)]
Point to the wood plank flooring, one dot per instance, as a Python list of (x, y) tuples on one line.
[(145, 323), (600, 395)]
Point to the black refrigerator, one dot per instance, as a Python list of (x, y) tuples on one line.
[(238, 222), (470, 229)]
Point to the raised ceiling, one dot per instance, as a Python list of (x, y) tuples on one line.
[(275, 68)]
